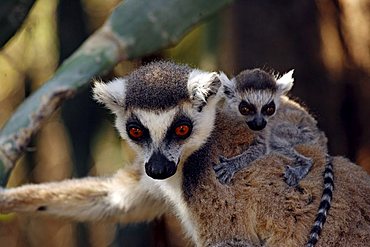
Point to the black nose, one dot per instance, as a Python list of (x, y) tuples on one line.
[(159, 167), (257, 124)]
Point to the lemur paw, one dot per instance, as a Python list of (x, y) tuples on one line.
[(290, 176), (225, 170), (293, 175)]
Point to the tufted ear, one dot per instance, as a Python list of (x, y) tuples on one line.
[(111, 94), (202, 86), (285, 83), (228, 86)]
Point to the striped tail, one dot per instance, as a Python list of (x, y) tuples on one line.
[(324, 204)]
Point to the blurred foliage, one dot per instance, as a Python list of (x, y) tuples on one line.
[(30, 59), (327, 42), (12, 15)]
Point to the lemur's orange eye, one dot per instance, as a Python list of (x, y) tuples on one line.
[(183, 131), (135, 133)]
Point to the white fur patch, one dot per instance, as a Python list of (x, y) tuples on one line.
[(229, 83), (203, 123), (158, 122), (257, 97), (172, 189), (111, 94), (226, 81), (199, 84), (285, 83), (124, 194)]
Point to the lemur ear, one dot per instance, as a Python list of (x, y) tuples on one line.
[(228, 86), (111, 94), (202, 87), (285, 83)]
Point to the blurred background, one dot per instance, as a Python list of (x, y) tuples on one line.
[(327, 42)]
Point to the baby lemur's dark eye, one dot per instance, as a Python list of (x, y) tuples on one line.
[(247, 108), (183, 131), (268, 109)]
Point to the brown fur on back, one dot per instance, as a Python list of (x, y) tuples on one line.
[(260, 208)]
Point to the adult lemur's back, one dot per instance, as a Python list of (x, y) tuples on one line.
[(260, 209)]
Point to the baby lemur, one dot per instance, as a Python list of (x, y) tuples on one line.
[(255, 96)]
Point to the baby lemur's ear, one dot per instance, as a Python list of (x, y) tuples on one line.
[(111, 94), (285, 83), (228, 86), (202, 87)]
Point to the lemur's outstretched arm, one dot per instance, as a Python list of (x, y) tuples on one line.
[(123, 196)]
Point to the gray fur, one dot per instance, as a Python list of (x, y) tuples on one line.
[(280, 136), (234, 243), (255, 79), (226, 169), (163, 84), (283, 139)]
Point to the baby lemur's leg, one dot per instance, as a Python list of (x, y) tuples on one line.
[(302, 165), (226, 169), (282, 140), (123, 196)]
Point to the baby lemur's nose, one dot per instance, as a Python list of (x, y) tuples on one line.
[(159, 167), (257, 124)]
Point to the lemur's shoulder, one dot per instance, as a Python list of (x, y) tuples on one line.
[(232, 134), (287, 103), (293, 112)]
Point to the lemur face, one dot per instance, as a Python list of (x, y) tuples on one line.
[(257, 107), (255, 95), (165, 112), (166, 138)]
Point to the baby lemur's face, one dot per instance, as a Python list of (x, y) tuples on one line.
[(164, 111), (255, 96), (257, 106)]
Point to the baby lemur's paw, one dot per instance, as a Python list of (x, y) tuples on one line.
[(225, 170), (293, 175)]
